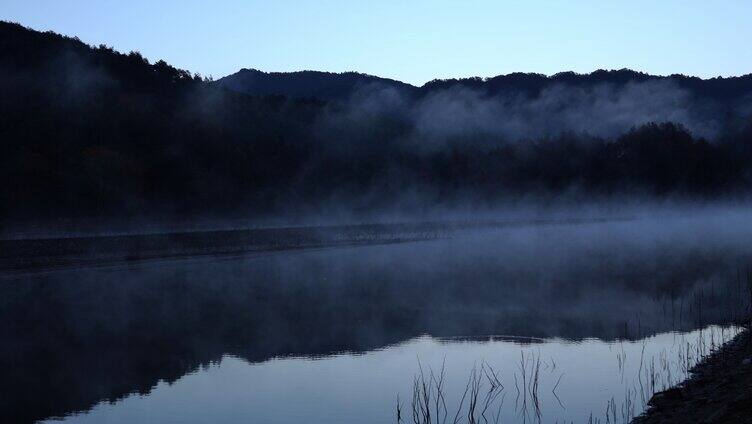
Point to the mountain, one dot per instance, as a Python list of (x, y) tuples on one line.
[(304, 84)]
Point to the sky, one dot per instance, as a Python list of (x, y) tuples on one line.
[(413, 41)]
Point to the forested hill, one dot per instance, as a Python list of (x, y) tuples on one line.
[(88, 131)]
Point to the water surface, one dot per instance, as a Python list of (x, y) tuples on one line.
[(335, 335)]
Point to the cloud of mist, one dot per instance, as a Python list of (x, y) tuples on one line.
[(604, 110)]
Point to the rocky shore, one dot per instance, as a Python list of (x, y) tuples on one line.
[(719, 391)]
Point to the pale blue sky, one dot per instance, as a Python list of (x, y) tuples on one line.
[(413, 41)]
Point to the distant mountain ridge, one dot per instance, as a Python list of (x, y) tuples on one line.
[(333, 86), (303, 84)]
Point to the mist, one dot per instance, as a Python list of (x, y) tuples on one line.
[(432, 121)]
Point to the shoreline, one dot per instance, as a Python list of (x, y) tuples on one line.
[(718, 391), (54, 253)]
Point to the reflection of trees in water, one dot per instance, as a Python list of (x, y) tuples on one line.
[(73, 339)]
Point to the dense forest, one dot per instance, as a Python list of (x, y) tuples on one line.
[(88, 131)]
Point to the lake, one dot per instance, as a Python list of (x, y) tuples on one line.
[(562, 322)]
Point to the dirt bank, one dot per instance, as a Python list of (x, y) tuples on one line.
[(719, 391)]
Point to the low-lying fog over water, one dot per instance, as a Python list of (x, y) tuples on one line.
[(576, 318)]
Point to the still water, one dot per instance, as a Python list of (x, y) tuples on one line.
[(572, 320), (590, 377)]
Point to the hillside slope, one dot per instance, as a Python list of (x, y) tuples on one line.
[(90, 132)]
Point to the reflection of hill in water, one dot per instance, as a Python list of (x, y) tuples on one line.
[(75, 338)]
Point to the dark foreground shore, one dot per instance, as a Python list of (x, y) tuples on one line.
[(719, 391)]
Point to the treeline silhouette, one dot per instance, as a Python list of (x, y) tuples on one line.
[(338, 86), (88, 131)]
